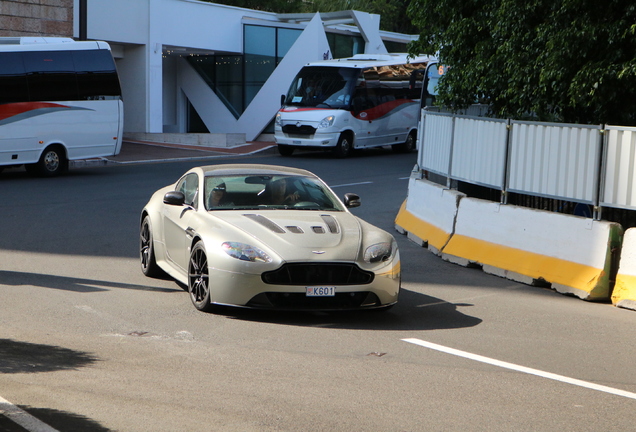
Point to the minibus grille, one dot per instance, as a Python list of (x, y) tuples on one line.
[(293, 129)]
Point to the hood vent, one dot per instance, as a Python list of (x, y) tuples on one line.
[(332, 224), (267, 223)]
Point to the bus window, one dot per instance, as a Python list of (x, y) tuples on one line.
[(326, 86), (13, 81), (96, 75), (51, 75), (433, 73)]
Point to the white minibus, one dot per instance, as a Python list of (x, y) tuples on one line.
[(60, 100), (352, 103)]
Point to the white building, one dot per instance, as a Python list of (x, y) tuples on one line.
[(189, 66)]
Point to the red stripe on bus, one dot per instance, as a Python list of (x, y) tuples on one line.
[(381, 110)]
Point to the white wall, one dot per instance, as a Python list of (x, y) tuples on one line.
[(152, 96)]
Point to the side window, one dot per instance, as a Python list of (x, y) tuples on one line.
[(13, 81), (96, 74), (51, 75), (189, 185)]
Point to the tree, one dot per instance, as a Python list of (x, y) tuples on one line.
[(561, 60)]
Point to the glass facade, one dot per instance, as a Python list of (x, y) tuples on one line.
[(236, 79)]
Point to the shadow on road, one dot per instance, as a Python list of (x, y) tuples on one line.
[(58, 420), (414, 311), (66, 283), (25, 357)]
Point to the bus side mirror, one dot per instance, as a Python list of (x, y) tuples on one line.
[(282, 100)]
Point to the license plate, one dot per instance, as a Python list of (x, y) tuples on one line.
[(296, 142), (321, 291)]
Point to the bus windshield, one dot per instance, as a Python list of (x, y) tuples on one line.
[(322, 86)]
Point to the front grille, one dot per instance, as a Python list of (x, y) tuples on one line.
[(309, 274), (296, 301), (299, 130)]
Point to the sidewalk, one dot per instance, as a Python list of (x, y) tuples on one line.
[(135, 152)]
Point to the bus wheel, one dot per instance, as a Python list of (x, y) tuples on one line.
[(52, 162), (285, 150), (407, 146), (343, 148)]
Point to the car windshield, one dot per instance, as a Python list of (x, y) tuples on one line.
[(265, 192), (323, 87)]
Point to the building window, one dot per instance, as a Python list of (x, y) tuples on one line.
[(260, 58), (345, 46)]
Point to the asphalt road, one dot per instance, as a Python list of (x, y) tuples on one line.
[(87, 343)]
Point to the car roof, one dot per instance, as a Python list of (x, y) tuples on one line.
[(252, 169)]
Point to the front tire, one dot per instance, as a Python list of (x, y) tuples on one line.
[(52, 162), (149, 265), (285, 150), (199, 278), (343, 148)]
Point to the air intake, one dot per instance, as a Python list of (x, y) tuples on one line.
[(267, 223), (332, 224)]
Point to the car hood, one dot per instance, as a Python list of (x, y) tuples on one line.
[(300, 235)]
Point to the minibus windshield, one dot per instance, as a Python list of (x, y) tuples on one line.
[(322, 87)]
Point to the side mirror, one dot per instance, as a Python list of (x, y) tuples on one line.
[(282, 100), (351, 200), (174, 198)]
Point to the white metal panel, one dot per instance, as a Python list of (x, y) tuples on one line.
[(479, 151), (435, 148), (620, 168), (555, 160)]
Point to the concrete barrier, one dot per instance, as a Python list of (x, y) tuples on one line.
[(428, 214), (624, 294), (572, 254)]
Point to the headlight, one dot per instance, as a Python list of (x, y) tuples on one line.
[(378, 252), (277, 120), (245, 252), (326, 122)]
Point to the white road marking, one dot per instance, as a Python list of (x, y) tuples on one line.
[(23, 418), (523, 369), (351, 184)]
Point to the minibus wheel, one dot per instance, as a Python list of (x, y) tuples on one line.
[(285, 150), (343, 148), (52, 162), (407, 146)]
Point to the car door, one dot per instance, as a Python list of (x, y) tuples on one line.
[(176, 221)]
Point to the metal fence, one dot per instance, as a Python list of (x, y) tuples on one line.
[(593, 165)]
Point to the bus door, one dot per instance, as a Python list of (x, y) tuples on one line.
[(371, 127)]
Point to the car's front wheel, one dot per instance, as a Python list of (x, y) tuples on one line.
[(149, 265), (199, 278)]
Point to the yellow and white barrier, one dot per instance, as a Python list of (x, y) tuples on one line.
[(428, 214), (624, 294), (572, 254)]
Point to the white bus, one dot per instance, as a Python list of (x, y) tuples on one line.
[(358, 102), (60, 100)]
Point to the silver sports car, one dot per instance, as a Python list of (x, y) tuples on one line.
[(267, 237)]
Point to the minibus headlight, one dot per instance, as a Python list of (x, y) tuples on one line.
[(326, 122), (277, 121)]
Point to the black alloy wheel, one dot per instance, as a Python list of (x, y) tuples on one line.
[(199, 279)]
